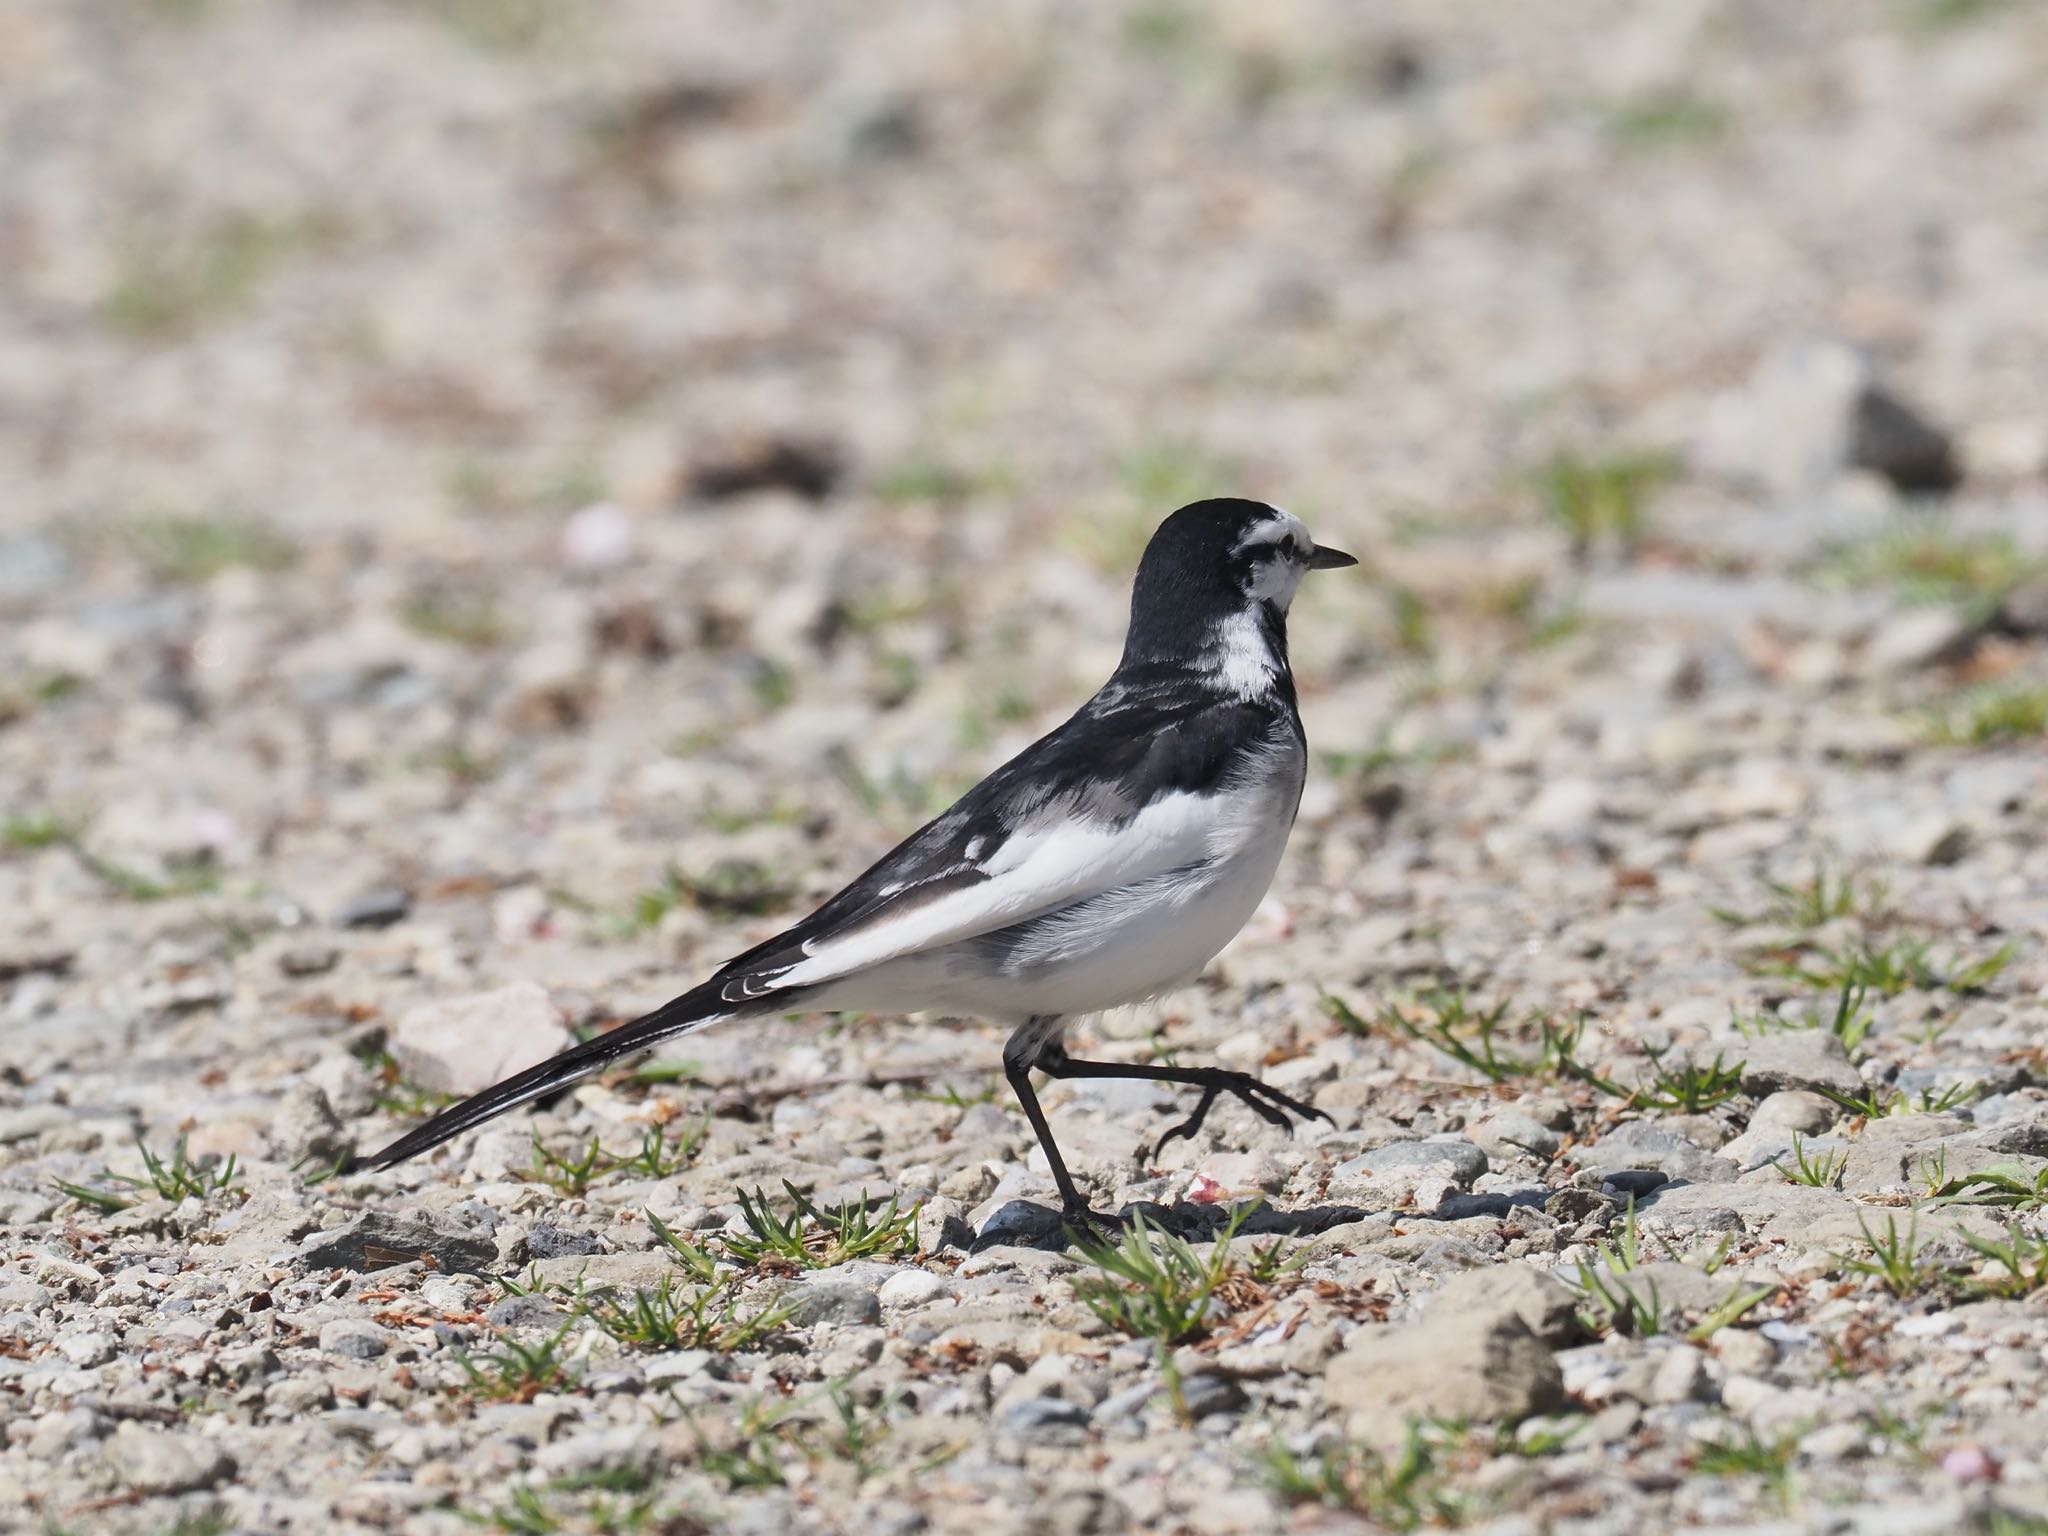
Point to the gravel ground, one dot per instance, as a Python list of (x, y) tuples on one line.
[(508, 503)]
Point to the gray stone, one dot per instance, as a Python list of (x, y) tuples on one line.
[(308, 959), (1488, 1370), (379, 907), (1547, 1307), (1207, 1392), (354, 1339), (1681, 1377), (525, 1311), (1510, 1132), (1916, 638), (912, 1288), (31, 565), (465, 1044), (1809, 1059), (1423, 1174), (548, 1241), (306, 1130), (1794, 1110), (2025, 608), (1045, 1421), (837, 1302), (1890, 1153), (1641, 1144), (30, 1120), (376, 1241), (940, 1226), (155, 1462)]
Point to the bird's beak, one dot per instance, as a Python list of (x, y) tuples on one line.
[(1327, 559)]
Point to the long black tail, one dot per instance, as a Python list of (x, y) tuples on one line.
[(694, 1010)]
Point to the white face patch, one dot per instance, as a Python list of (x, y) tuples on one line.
[(1276, 576)]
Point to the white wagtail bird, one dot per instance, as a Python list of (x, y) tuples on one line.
[(1105, 864)]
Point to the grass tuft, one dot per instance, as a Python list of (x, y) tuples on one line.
[(1689, 1088), (1596, 498), (1406, 1491), (1993, 715), (1822, 1173), (814, 1237), (174, 1178), (1895, 1260), (1154, 1285), (518, 1373)]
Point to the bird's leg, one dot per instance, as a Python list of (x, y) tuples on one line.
[(1267, 1102), (1020, 1052)]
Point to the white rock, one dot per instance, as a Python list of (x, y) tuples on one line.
[(912, 1288), (1917, 638), (598, 537)]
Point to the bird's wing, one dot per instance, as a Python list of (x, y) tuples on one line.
[(1117, 794)]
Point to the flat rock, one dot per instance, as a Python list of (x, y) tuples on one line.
[(1490, 1369), (1639, 1144), (354, 1339), (306, 1129), (548, 1241), (1892, 1152), (1548, 1307), (465, 1044), (156, 1462), (1417, 1174), (376, 1241), (1808, 1059), (1510, 1132), (838, 1302)]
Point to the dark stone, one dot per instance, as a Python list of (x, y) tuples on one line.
[(1635, 1181), (809, 467), (1208, 1393), (1573, 1205), (548, 1241), (1458, 1207), (2025, 609), (1890, 438), (1045, 1420), (1020, 1224), (378, 908), (376, 1241)]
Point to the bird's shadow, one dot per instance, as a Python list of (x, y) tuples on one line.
[(1025, 1224)]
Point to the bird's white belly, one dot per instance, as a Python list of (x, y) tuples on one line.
[(1123, 946)]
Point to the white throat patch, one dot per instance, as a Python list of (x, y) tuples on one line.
[(1241, 657)]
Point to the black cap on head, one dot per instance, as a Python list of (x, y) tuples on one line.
[(1209, 560)]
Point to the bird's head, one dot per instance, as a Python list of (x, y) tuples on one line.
[(1212, 566)]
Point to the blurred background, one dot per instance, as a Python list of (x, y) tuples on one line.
[(503, 503), (561, 461)]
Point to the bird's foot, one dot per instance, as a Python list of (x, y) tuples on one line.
[(1087, 1227), (1265, 1101)]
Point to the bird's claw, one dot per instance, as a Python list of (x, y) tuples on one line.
[(1265, 1101)]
